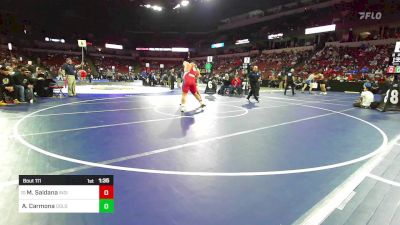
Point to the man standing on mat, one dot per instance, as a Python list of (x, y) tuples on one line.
[(189, 84), (70, 73), (254, 76), (289, 81), (171, 77)]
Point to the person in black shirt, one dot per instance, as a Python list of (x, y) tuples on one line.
[(7, 86), (171, 77), (2, 89), (225, 84), (19, 89), (25, 82), (70, 73), (289, 81), (254, 76)]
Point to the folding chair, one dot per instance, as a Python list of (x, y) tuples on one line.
[(57, 91)]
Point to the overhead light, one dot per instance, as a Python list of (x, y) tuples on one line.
[(244, 41), (177, 6), (113, 46), (218, 45), (174, 49), (54, 40), (275, 36), (321, 29), (156, 8), (185, 3), (180, 50), (158, 49)]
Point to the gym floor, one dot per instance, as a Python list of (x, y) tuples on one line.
[(235, 163)]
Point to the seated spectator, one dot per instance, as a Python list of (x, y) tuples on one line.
[(363, 77), (298, 82), (43, 86), (236, 85), (225, 84), (374, 86), (8, 91), (24, 83), (366, 98)]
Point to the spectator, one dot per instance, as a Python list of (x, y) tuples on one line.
[(366, 98), (236, 85), (225, 84), (24, 83), (7, 87)]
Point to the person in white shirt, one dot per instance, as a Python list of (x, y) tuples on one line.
[(308, 82), (366, 98)]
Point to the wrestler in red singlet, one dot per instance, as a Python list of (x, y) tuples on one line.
[(189, 84)]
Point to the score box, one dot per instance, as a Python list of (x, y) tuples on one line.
[(66, 194), (106, 195)]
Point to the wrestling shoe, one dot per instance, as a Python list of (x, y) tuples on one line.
[(183, 108)]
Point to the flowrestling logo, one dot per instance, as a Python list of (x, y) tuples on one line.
[(370, 15)]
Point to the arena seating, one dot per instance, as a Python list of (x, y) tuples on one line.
[(351, 62)]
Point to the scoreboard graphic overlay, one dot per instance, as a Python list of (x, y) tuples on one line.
[(66, 194)]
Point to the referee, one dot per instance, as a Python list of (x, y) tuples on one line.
[(254, 76), (70, 73), (289, 81)]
